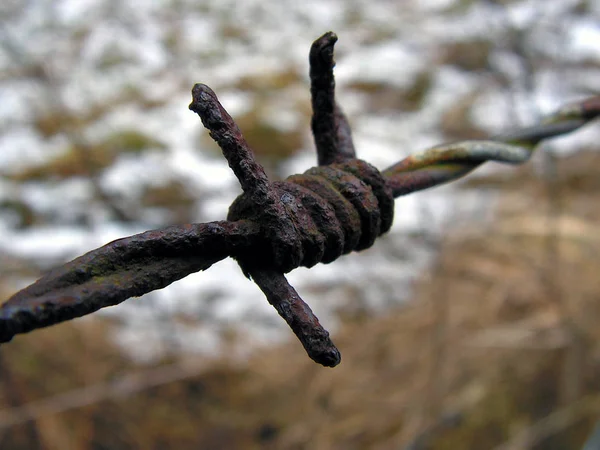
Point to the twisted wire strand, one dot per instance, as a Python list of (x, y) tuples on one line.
[(127, 267), (442, 164)]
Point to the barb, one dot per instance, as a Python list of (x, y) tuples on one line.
[(342, 205), (298, 316), (331, 131)]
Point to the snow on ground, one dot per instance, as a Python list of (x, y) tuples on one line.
[(92, 53)]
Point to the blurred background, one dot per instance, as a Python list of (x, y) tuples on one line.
[(471, 325)]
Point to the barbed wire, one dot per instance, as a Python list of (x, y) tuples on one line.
[(340, 206)]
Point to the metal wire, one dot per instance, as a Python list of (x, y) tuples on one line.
[(447, 163), (343, 205)]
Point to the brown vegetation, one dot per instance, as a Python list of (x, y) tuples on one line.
[(499, 346)]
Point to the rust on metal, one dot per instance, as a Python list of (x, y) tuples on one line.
[(342, 205), (331, 131)]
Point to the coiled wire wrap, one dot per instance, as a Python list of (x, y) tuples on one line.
[(333, 209)]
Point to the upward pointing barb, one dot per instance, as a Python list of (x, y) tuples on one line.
[(331, 131), (260, 194), (228, 136)]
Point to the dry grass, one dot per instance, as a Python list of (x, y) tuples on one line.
[(498, 347)]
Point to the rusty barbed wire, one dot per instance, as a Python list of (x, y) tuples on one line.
[(342, 205)]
